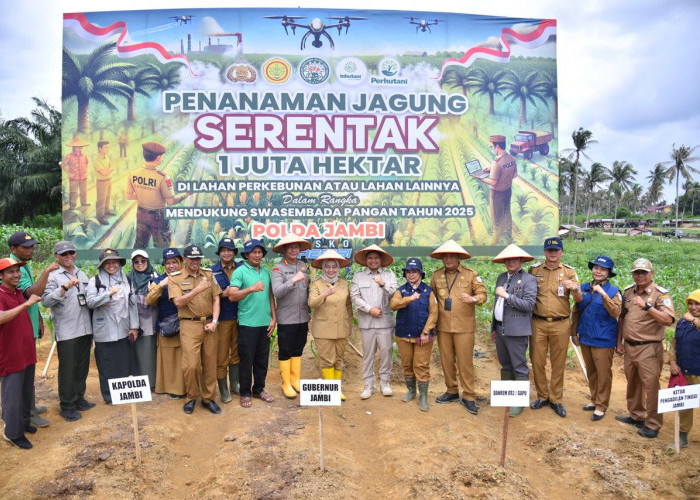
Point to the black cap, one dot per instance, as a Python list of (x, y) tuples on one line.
[(227, 243), (193, 252), (21, 239)]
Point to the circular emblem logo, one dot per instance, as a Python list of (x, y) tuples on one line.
[(276, 70), (241, 73), (314, 70), (389, 66), (351, 71)]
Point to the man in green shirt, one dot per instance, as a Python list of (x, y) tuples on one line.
[(22, 250), (257, 319)]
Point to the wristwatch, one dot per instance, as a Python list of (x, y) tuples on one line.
[(65, 288), (215, 321), (647, 306), (474, 299)]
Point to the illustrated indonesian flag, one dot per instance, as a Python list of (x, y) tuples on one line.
[(85, 29), (530, 40)]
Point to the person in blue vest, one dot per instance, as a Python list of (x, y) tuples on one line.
[(415, 329), (685, 357), (594, 328), (227, 354)]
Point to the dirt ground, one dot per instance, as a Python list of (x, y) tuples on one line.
[(378, 448)]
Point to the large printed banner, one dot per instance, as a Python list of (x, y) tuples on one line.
[(344, 127)]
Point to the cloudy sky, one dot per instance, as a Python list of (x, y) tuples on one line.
[(627, 69)]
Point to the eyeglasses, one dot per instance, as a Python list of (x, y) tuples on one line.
[(69, 252), (139, 261)]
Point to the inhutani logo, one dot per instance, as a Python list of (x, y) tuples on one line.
[(351, 71)]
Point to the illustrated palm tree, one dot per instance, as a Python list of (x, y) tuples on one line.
[(139, 82), (622, 174), (166, 76), (29, 164), (597, 175), (524, 88), (93, 76), (582, 139), (460, 79), (657, 177), (521, 200), (490, 83), (680, 165), (549, 90)]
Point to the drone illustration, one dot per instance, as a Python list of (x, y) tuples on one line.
[(182, 19), (423, 25), (316, 28)]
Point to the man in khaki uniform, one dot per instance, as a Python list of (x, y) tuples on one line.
[(501, 174), (75, 165), (103, 183), (152, 189), (551, 324), (647, 310), (458, 290), (195, 293)]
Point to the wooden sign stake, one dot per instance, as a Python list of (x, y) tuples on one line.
[(505, 436), (136, 433), (320, 432)]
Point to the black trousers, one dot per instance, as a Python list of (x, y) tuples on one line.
[(17, 391), (114, 360), (291, 340), (254, 351), (73, 367)]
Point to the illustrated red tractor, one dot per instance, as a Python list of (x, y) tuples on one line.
[(528, 141)]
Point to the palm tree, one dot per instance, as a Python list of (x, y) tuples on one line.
[(490, 83), (459, 79), (597, 175), (93, 76), (656, 179), (680, 165), (29, 164), (622, 174), (166, 76), (139, 82), (582, 139), (549, 90), (525, 89)]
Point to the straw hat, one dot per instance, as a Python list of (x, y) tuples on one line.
[(330, 254), (450, 246), (513, 251), (361, 256), (110, 254), (288, 240), (77, 142)]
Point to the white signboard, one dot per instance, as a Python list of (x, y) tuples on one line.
[(510, 393), (319, 392), (130, 390), (679, 398)]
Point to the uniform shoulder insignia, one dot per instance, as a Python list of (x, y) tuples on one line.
[(567, 265), (629, 286), (661, 289), (176, 273), (206, 270), (161, 173), (535, 265)]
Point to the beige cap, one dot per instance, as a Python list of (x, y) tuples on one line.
[(330, 254), (642, 265), (450, 246), (361, 256), (289, 239), (513, 251), (77, 142)]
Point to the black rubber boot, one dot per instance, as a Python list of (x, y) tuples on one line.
[(233, 379), (423, 395), (223, 390), (517, 410), (411, 386)]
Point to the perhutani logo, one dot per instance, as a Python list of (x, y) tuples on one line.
[(388, 69), (277, 70), (314, 70), (351, 71)]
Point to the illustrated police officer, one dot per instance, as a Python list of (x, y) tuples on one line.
[(152, 189)]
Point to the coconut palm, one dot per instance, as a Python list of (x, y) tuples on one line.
[(657, 178), (458, 79), (623, 175), (524, 88), (29, 164), (597, 175), (582, 139), (490, 83), (93, 76), (680, 165)]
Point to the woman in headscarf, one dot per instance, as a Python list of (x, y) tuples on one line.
[(685, 357), (169, 377), (331, 319), (594, 328), (145, 345), (115, 319)]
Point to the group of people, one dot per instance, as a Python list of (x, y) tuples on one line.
[(192, 330)]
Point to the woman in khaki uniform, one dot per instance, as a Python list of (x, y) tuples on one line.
[(331, 317), (169, 378)]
